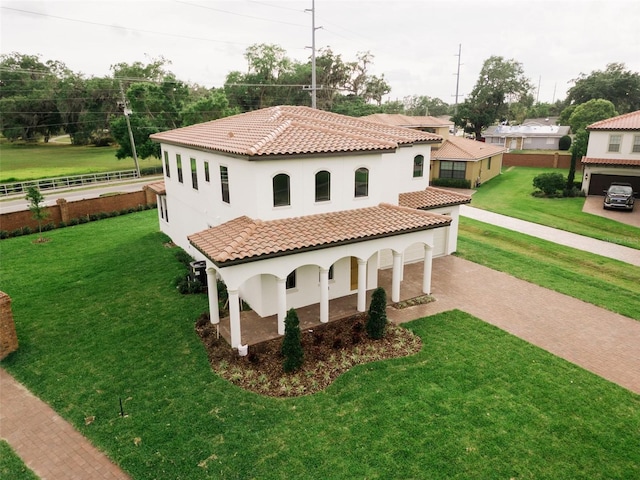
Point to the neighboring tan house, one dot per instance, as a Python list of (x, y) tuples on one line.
[(293, 206), (462, 158), (531, 136), (424, 124), (613, 154)]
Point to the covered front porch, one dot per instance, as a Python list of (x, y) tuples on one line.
[(256, 329)]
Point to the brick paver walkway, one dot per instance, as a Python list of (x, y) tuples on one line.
[(48, 444)]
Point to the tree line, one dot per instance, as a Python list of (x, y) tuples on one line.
[(39, 99)]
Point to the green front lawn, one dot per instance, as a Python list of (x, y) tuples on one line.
[(510, 194), (11, 466), (602, 281), (20, 162), (100, 321)]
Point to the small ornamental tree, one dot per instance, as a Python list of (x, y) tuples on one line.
[(38, 210), (377, 315), (291, 345)]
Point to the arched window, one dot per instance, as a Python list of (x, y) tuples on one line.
[(281, 195), (323, 186), (362, 182), (418, 166)]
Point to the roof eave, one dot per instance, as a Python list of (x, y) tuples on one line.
[(239, 261)]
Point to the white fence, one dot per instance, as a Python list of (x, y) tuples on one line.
[(65, 182)]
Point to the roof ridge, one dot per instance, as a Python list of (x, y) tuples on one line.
[(270, 137), (327, 129)]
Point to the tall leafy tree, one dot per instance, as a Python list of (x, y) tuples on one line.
[(501, 87), (616, 83), (584, 115), (423, 105), (211, 107), (27, 97)]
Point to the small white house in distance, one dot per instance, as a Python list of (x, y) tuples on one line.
[(292, 206), (613, 154), (526, 136)]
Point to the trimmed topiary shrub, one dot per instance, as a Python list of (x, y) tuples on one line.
[(549, 183), (377, 315), (291, 343), (564, 143)]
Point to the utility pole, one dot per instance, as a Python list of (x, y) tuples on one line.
[(459, 55), (127, 111), (313, 54)]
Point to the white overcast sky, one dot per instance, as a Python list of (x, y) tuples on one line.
[(414, 42)]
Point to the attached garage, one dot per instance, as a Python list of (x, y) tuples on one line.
[(600, 182), (599, 173)]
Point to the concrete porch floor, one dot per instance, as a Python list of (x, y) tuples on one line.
[(255, 329)]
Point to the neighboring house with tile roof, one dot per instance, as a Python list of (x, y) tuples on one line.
[(292, 206), (613, 154), (424, 123), (463, 158), (528, 136)]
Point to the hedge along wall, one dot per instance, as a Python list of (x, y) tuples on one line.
[(64, 211), (557, 160)]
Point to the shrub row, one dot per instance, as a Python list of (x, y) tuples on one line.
[(451, 182), (74, 221)]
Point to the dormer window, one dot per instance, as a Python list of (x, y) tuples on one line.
[(323, 186), (418, 166), (362, 182), (281, 190)]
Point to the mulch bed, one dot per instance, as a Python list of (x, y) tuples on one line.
[(330, 350)]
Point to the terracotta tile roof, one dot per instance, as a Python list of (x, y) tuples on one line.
[(628, 121), (409, 121), (611, 161), (457, 148), (291, 130), (245, 240), (157, 187), (432, 197)]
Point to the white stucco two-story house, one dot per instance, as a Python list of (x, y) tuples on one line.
[(292, 206), (613, 154)]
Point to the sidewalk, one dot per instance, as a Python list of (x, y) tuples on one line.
[(47, 443), (599, 247)]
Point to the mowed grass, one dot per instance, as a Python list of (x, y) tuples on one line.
[(11, 466), (99, 321), (599, 280), (510, 194), (20, 162)]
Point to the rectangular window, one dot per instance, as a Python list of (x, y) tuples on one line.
[(614, 143), (452, 169), (224, 183), (636, 144), (206, 172), (194, 174), (166, 164), (291, 280), (179, 167)]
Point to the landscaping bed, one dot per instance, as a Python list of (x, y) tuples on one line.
[(330, 350)]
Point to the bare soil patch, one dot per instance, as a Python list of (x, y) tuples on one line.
[(330, 350)]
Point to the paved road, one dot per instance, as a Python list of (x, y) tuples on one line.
[(17, 203), (599, 247)]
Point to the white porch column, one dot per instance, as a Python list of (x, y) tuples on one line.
[(427, 268), (212, 288), (282, 303), (362, 285), (324, 295), (396, 276), (234, 318)]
